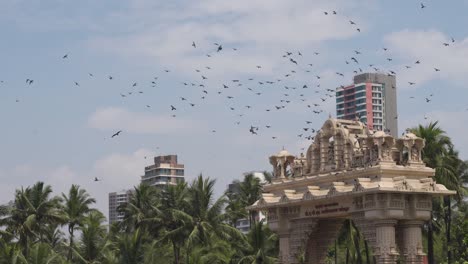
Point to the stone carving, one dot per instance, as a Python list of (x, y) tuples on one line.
[(351, 172), (281, 161), (414, 154)]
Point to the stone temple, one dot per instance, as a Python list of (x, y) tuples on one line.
[(351, 172)]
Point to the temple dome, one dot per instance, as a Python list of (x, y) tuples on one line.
[(379, 134), (410, 135), (284, 153)]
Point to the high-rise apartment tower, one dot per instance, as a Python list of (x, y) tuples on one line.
[(164, 171), (115, 200), (372, 99)]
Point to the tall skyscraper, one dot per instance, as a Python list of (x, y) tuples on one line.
[(115, 200), (372, 99), (165, 170)]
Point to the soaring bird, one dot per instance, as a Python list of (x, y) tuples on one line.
[(220, 47), (253, 129), (436, 69), (193, 44), (96, 179), (173, 108), (65, 56), (116, 133), (422, 6)]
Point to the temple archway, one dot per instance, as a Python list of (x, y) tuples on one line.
[(350, 172)]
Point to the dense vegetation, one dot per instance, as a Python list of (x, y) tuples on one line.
[(186, 224)]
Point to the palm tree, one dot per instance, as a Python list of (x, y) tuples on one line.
[(54, 236), (206, 216), (9, 252), (140, 208), (93, 240), (438, 154), (41, 253), (31, 213), (350, 237), (130, 247), (76, 206), (157, 252), (218, 252), (235, 209), (173, 216), (262, 246), (250, 192)]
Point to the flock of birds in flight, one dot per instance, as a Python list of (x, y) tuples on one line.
[(293, 59)]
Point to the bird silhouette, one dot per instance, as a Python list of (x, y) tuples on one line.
[(116, 133)]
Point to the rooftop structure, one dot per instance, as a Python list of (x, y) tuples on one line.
[(165, 170)]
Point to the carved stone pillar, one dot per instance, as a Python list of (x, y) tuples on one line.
[(385, 248), (411, 247), (284, 235), (284, 247), (323, 154)]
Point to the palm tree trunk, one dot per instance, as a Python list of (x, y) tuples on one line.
[(430, 242), (357, 240), (448, 223), (70, 252), (367, 252), (24, 245), (347, 255), (176, 251), (336, 252)]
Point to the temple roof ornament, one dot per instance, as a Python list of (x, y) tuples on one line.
[(346, 158), (280, 162)]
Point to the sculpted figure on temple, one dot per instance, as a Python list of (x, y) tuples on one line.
[(414, 154)]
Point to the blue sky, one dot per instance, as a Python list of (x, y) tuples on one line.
[(60, 133)]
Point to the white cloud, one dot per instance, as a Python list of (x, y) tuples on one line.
[(262, 30), (427, 46), (113, 118)]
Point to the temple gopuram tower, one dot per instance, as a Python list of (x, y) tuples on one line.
[(351, 172)]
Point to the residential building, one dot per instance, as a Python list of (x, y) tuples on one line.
[(115, 200), (165, 170), (371, 99)]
